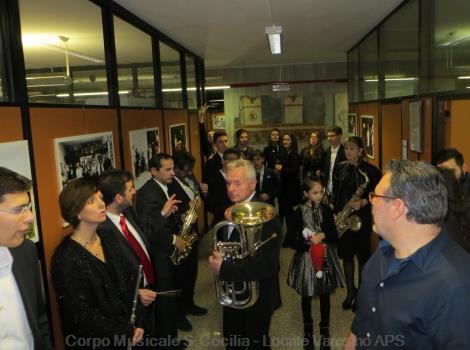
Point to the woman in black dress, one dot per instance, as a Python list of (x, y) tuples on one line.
[(94, 285), (311, 157), (272, 152), (241, 142), (290, 195), (351, 189)]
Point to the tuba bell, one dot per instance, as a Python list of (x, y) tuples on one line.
[(247, 221)]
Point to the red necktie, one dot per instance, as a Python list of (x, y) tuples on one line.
[(137, 248)]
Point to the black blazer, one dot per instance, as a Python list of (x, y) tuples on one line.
[(290, 180), (271, 185), (25, 269), (217, 200), (340, 157), (212, 166), (263, 267), (158, 230), (130, 259)]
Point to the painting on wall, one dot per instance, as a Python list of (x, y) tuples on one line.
[(83, 155), (178, 138), (250, 110), (218, 122), (15, 156), (416, 127), (352, 124), (367, 133), (144, 144)]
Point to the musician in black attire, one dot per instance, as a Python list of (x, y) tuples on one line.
[(249, 328), (241, 142), (217, 200), (333, 155), (95, 286), (290, 195), (214, 163), (347, 182), (186, 187), (272, 152), (312, 156)]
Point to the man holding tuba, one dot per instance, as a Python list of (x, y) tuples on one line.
[(248, 328), (353, 179)]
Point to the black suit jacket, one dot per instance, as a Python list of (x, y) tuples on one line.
[(271, 185), (26, 272), (212, 166), (158, 230), (217, 200), (130, 259), (263, 267), (340, 157)]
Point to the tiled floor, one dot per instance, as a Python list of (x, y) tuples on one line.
[(286, 328)]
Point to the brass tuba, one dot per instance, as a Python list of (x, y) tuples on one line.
[(248, 220), (344, 220)]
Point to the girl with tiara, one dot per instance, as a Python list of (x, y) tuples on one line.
[(315, 269)]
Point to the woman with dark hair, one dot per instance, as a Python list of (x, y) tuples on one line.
[(290, 194), (93, 284), (241, 142), (311, 157), (353, 179), (457, 223), (272, 152)]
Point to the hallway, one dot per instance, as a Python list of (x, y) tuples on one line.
[(286, 328)]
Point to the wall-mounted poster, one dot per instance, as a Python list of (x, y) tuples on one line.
[(352, 124), (15, 156), (416, 138), (367, 133), (178, 138), (250, 110), (83, 155), (144, 144), (218, 122)]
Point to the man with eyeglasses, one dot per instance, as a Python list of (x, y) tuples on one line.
[(415, 288), (23, 315)]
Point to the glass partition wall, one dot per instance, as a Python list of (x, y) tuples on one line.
[(423, 48)]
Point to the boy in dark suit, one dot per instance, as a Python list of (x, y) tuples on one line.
[(268, 183)]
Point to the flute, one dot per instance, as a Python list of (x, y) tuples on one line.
[(134, 303)]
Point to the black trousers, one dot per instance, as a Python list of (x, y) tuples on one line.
[(246, 328), (186, 275)]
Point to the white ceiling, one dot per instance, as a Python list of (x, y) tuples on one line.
[(230, 33)]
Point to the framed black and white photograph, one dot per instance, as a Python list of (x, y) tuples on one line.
[(144, 144), (367, 134), (352, 124), (15, 156), (83, 155), (178, 138), (416, 127)]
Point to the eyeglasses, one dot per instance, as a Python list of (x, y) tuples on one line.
[(19, 210), (373, 195)]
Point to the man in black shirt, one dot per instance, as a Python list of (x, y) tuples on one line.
[(451, 158)]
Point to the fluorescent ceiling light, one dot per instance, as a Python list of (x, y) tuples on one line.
[(221, 87), (92, 93), (390, 79), (46, 77), (453, 41), (463, 77), (274, 36)]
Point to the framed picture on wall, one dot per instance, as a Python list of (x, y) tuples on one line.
[(218, 122), (416, 127), (367, 134), (15, 156), (352, 124), (83, 155), (178, 137), (144, 144)]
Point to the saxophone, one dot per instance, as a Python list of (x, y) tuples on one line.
[(186, 233), (344, 220)]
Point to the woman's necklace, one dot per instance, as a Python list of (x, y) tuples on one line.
[(93, 245)]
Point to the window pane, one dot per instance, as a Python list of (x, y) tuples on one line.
[(399, 45), (64, 55), (191, 82), (135, 65), (368, 67), (3, 88), (171, 77), (353, 75), (450, 48)]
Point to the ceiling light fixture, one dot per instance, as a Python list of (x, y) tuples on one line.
[(92, 93), (274, 36)]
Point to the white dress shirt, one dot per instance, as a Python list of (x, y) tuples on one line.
[(334, 152), (163, 187), (15, 332)]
